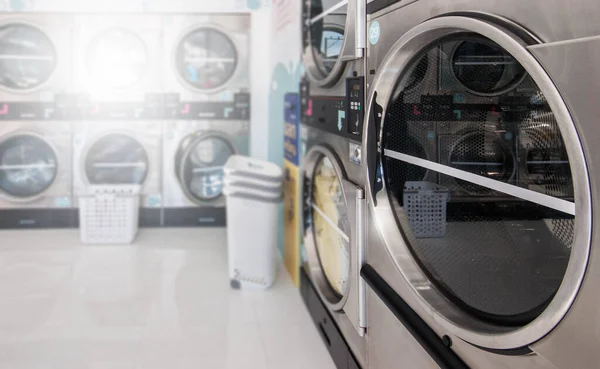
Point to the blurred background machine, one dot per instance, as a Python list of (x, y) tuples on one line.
[(194, 155)]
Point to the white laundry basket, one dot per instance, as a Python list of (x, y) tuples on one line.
[(252, 230), (108, 214)]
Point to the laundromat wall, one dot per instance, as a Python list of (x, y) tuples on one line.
[(273, 70)]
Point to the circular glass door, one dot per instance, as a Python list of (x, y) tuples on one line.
[(201, 167), (324, 40), (478, 183), (206, 59), (28, 166), (27, 57), (331, 225), (116, 159), (116, 58)]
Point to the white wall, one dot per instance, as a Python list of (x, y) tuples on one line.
[(285, 67), (199, 6), (260, 71)]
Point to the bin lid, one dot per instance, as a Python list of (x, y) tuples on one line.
[(255, 195), (253, 184), (245, 166)]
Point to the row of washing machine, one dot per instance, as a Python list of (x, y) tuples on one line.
[(45, 166), (449, 164), (123, 57)]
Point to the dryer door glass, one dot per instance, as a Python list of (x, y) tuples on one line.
[(116, 58), (116, 159), (27, 57), (28, 166), (331, 225), (202, 167), (326, 37), (206, 59), (478, 176)]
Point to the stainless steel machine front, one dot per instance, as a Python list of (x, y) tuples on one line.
[(332, 103), (479, 145)]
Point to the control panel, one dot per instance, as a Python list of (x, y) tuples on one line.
[(154, 106), (339, 115), (355, 92)]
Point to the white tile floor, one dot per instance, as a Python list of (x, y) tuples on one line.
[(163, 303)]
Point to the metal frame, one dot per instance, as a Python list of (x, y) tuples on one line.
[(431, 300)]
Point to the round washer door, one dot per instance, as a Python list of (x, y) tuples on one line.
[(28, 166), (477, 156), (27, 57), (116, 158), (324, 35), (206, 59), (116, 58), (329, 226), (201, 167)]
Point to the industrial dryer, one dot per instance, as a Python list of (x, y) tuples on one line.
[(332, 96), (478, 152)]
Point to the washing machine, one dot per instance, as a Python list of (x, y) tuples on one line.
[(194, 155), (479, 144), (35, 175), (332, 95), (121, 153), (207, 59), (35, 63), (118, 64)]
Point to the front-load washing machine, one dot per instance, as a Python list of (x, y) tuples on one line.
[(478, 148), (193, 159), (331, 116), (35, 63), (332, 38), (121, 153), (206, 59), (118, 64), (35, 175)]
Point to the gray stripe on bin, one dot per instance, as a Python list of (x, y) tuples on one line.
[(253, 175), (253, 186), (247, 196)]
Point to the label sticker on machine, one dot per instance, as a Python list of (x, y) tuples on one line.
[(63, 202), (374, 33), (355, 153), (153, 201)]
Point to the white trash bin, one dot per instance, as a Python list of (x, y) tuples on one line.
[(240, 167), (253, 200)]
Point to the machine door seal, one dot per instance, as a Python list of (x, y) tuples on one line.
[(200, 162), (28, 166), (116, 158), (205, 59), (328, 39), (28, 57)]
